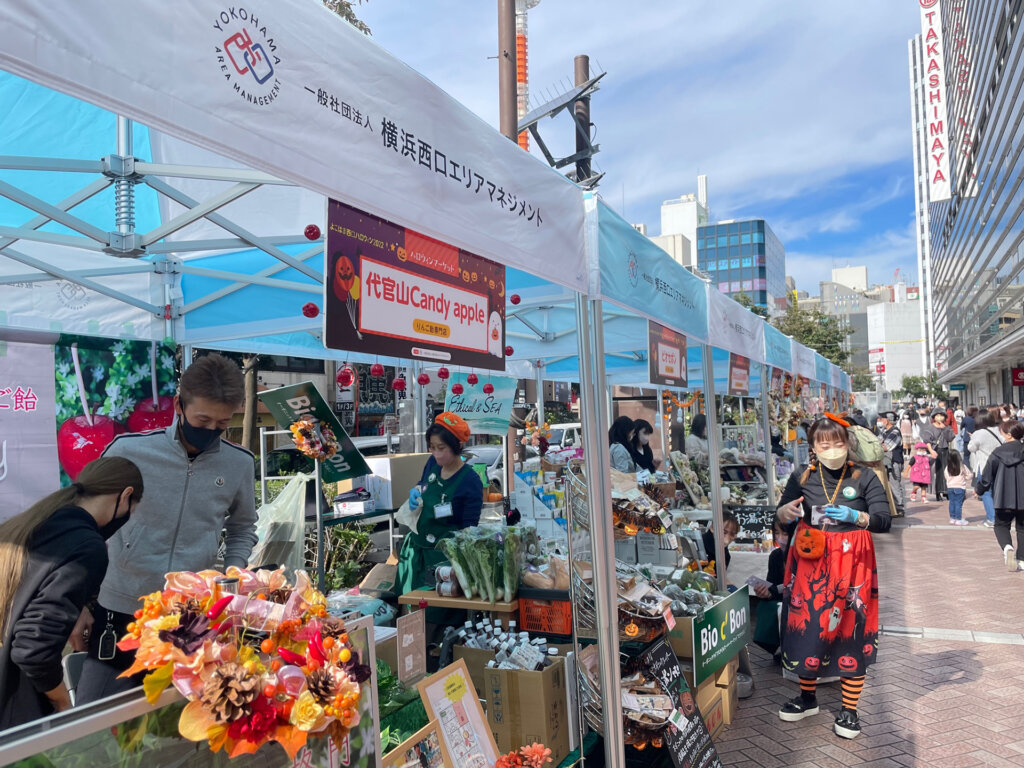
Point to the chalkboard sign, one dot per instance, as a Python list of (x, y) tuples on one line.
[(755, 521), (686, 738)]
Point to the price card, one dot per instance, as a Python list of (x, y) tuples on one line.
[(412, 651), (670, 620)]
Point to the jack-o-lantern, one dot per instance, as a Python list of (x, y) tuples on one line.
[(810, 544), (812, 663), (686, 704), (847, 663), (344, 276), (869, 649)]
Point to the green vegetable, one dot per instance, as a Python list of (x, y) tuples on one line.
[(450, 548)]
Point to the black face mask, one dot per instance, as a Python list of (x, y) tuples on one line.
[(199, 438), (108, 530)]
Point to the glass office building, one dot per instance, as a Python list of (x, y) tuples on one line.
[(744, 257)]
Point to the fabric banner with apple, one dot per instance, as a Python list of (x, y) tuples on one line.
[(666, 356), (391, 291)]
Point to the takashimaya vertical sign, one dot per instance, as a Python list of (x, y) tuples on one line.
[(936, 125), (391, 291)]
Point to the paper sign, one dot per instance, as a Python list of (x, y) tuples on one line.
[(486, 414), (670, 620), (666, 356), (450, 698), (288, 404), (739, 375), (392, 291), (412, 652)]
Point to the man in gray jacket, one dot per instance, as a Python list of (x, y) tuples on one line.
[(197, 485)]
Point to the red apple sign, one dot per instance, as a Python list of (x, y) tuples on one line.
[(78, 443), (146, 416)]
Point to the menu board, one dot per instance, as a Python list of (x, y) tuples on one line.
[(755, 521)]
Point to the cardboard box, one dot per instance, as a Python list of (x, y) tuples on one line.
[(381, 578), (726, 676), (345, 508), (680, 637), (476, 662), (707, 694), (524, 707), (393, 476), (730, 701), (714, 716), (387, 650)]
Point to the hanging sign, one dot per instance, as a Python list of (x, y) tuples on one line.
[(739, 375), (736, 328), (803, 360), (837, 377), (821, 369), (28, 443), (666, 355), (777, 348), (486, 414), (392, 291), (936, 127), (288, 404)]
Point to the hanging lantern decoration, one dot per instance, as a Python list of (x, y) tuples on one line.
[(423, 379), (514, 298), (398, 384), (309, 309), (312, 232), (472, 379), (508, 350), (443, 373), (488, 388), (377, 370), (457, 389), (346, 376), (670, 401)]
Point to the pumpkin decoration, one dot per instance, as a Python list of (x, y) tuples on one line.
[(869, 649), (812, 663), (631, 629), (344, 277), (847, 663), (810, 543)]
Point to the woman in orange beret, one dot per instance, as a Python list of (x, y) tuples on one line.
[(450, 495)]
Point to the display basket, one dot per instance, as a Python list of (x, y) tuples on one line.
[(576, 491), (590, 700)]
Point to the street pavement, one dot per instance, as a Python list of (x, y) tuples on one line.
[(947, 690)]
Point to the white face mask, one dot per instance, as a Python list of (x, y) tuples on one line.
[(833, 458)]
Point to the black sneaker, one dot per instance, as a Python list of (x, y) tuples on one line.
[(797, 709), (847, 724)]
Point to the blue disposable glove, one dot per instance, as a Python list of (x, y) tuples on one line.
[(415, 497), (842, 514)]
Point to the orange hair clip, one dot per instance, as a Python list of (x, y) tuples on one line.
[(837, 419)]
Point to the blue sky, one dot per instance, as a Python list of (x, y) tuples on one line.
[(798, 111)]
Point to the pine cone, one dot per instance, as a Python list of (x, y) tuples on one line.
[(332, 627), (229, 692), (321, 684)]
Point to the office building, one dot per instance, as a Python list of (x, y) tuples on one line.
[(974, 213), (744, 257), (895, 340), (855, 277), (680, 219)]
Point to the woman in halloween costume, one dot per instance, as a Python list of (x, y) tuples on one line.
[(830, 599)]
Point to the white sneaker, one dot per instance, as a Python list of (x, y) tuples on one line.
[(1009, 558), (1020, 565), (952, 521), (987, 524), (961, 521)]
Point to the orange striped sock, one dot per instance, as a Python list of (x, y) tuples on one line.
[(809, 688), (852, 687)]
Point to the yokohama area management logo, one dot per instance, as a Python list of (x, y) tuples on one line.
[(928, 3), (247, 55)]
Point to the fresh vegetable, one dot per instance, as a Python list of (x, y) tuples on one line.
[(450, 548)]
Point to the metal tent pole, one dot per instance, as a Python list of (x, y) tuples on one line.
[(539, 380), (714, 463), (663, 428), (594, 417), (766, 425), (321, 555)]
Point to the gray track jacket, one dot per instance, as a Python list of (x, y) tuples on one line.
[(185, 506)]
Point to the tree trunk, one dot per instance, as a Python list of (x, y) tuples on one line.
[(250, 369)]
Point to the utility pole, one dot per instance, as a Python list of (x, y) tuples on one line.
[(507, 103), (581, 74)]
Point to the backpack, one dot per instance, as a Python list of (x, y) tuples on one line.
[(865, 447)]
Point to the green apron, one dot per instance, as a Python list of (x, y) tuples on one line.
[(419, 557)]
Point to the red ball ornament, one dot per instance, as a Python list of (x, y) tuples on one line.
[(377, 370), (423, 379), (443, 373), (457, 389), (488, 388), (346, 376), (514, 298), (312, 232), (398, 384), (509, 351), (472, 379), (309, 309), (147, 416)]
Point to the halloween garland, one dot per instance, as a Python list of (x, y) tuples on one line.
[(670, 401), (314, 438)]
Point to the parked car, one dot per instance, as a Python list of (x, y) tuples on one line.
[(493, 457), (567, 435)]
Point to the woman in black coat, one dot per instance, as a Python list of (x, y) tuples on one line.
[(53, 557), (938, 435), (1004, 475)]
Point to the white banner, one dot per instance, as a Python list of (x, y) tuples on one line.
[(837, 377), (936, 124), (803, 360), (735, 328), (287, 87), (28, 435)]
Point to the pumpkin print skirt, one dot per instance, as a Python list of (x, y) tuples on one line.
[(830, 606)]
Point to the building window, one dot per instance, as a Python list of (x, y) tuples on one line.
[(745, 238), (758, 237), (734, 264), (723, 241), (734, 239), (747, 262)]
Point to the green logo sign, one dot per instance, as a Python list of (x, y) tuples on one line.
[(288, 404), (720, 635)]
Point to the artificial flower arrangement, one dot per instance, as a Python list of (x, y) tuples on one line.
[(265, 664), (533, 756), (314, 438), (537, 435)]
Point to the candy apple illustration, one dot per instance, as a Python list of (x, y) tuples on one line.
[(147, 415), (79, 441)]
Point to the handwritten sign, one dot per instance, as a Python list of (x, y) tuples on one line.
[(412, 652), (755, 521)]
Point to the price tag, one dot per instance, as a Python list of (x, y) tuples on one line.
[(673, 543), (670, 620), (677, 719)]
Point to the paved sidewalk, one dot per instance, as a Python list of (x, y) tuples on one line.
[(948, 687)]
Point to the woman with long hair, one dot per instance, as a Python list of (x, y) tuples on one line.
[(641, 445), (697, 447), (830, 597), (52, 560), (620, 444)]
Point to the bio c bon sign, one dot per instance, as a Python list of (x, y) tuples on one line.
[(720, 635)]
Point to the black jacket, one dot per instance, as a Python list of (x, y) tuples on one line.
[(66, 563), (1004, 475)]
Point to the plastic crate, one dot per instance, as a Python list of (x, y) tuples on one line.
[(547, 611)]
